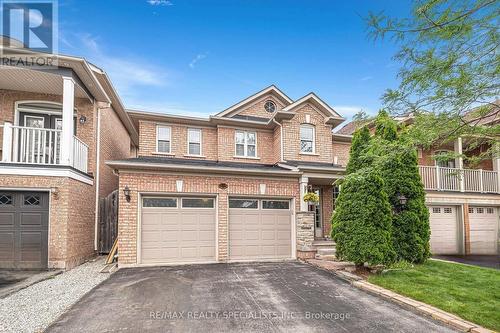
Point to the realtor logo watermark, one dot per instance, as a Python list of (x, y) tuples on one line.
[(29, 32)]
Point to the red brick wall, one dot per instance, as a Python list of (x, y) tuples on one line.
[(341, 150), (256, 109), (114, 145), (323, 133), (265, 146), (137, 182), (327, 208)]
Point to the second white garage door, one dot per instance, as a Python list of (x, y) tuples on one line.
[(178, 230), (444, 230), (483, 230), (260, 229)]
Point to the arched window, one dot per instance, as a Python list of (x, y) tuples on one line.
[(307, 139)]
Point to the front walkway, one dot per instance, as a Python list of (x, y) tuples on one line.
[(254, 297), (475, 260)]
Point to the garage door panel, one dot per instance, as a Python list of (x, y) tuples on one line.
[(186, 235), (483, 223), (444, 230), (7, 219), (256, 234), (31, 219), (7, 246)]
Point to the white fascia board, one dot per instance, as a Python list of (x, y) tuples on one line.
[(47, 172)]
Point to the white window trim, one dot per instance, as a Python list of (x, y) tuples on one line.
[(245, 145), (201, 141), (313, 139), (158, 139)]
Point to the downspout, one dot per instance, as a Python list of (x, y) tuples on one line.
[(97, 175), (281, 139)]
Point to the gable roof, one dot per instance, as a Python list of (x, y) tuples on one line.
[(271, 89), (333, 117)]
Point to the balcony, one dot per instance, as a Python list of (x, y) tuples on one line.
[(459, 180), (41, 146)]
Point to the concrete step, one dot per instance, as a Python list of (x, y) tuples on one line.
[(323, 244), (325, 257), (326, 251)]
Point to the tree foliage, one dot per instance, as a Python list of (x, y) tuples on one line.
[(360, 143), (450, 64), (361, 224)]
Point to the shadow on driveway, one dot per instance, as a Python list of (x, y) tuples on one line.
[(256, 297), (476, 260)]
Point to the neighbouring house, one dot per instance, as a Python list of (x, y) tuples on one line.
[(463, 200), (230, 187), (57, 129)]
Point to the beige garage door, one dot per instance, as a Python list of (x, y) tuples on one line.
[(259, 229), (444, 230), (483, 230), (177, 230)]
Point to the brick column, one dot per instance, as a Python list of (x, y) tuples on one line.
[(466, 229), (305, 235), (223, 223)]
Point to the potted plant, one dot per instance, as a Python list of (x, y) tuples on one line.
[(311, 198)]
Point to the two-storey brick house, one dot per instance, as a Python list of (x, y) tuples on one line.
[(463, 198), (230, 187), (58, 126)]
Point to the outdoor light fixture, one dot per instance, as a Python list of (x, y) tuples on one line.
[(402, 199), (83, 119), (126, 193)]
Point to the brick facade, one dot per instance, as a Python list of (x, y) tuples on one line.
[(166, 183), (256, 109), (341, 150), (72, 206)]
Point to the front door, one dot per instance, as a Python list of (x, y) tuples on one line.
[(318, 221)]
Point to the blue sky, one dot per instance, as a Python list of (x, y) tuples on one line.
[(199, 57)]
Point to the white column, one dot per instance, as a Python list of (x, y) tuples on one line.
[(496, 163), (7, 142), (459, 163), (304, 181), (67, 121)]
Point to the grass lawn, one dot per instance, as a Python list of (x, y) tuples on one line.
[(472, 293)]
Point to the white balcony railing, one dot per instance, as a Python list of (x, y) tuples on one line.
[(459, 180), (41, 146)]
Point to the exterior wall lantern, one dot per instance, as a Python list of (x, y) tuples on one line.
[(83, 119), (402, 200), (126, 193)]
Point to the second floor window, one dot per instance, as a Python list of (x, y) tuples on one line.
[(306, 138), (246, 143), (163, 137), (194, 141)]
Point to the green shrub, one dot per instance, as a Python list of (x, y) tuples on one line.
[(357, 155), (361, 224)]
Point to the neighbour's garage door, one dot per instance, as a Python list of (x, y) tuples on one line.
[(259, 229), (177, 230), (24, 220), (444, 230), (483, 230)]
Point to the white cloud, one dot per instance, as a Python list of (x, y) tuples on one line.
[(366, 78), (348, 111), (196, 59), (160, 2)]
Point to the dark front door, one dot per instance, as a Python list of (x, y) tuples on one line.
[(24, 220)]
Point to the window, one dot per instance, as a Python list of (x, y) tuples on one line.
[(480, 210), (443, 161), (5, 199), (194, 141), (275, 204), (447, 210), (306, 138), (246, 143), (197, 203), (243, 203), (436, 210), (489, 210), (32, 200), (270, 106), (163, 135), (159, 202), (471, 210)]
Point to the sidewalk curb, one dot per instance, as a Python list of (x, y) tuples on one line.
[(422, 308)]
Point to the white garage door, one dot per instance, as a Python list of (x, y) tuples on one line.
[(483, 230), (444, 230), (260, 229), (177, 230)]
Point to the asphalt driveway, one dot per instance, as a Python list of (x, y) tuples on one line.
[(257, 297)]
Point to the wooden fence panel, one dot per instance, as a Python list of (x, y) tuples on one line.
[(108, 221)]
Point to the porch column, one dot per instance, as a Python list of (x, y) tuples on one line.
[(7, 142), (67, 121), (459, 162), (496, 163), (304, 181)]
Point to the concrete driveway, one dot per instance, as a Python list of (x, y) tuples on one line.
[(257, 297), (476, 260)]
